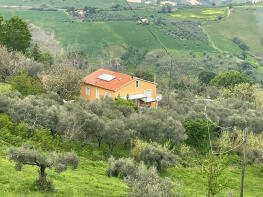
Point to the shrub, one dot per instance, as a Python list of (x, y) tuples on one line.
[(197, 132), (154, 154), (229, 79), (119, 102), (206, 76), (120, 168), (25, 84), (147, 183)]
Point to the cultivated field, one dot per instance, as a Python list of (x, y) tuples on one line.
[(61, 3), (242, 23), (94, 38), (204, 13)]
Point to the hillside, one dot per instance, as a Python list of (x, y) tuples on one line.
[(102, 98)]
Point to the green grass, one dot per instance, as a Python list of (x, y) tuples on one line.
[(191, 183), (97, 38), (4, 87), (203, 13), (87, 180), (242, 23), (62, 3)]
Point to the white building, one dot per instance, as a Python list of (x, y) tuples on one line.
[(168, 3)]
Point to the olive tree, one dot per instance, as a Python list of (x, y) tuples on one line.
[(116, 133), (59, 161)]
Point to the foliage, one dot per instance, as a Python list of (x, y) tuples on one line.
[(63, 79), (41, 56), (229, 79), (142, 181), (241, 44), (206, 76), (16, 34), (242, 91), (154, 125), (218, 182), (59, 161), (119, 102), (25, 84), (133, 57), (143, 74), (122, 167), (197, 132), (154, 154), (116, 132), (188, 30), (147, 183)]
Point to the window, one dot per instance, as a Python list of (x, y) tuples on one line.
[(88, 91), (107, 94), (137, 84), (97, 94), (148, 93)]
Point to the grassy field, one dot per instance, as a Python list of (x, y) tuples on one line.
[(62, 3), (242, 23), (191, 183), (204, 13), (88, 180), (97, 38), (4, 87)]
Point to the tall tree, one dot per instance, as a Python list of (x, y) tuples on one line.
[(17, 35)]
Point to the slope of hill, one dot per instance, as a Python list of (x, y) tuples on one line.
[(242, 23), (88, 180)]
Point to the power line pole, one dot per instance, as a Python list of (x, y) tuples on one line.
[(243, 162)]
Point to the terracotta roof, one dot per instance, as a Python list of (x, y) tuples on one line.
[(114, 84)]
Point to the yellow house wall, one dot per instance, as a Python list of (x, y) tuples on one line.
[(92, 96), (131, 88)]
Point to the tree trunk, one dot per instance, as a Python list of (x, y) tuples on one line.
[(111, 147), (99, 141), (42, 175)]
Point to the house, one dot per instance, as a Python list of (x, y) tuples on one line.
[(134, 1), (168, 3), (106, 83), (143, 21)]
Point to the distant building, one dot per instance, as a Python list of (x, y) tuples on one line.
[(148, 2), (168, 3), (106, 83), (143, 21), (134, 1)]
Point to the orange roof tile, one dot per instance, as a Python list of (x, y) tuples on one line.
[(114, 84)]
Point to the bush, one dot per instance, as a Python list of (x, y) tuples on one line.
[(120, 102), (206, 76), (147, 183), (120, 168), (229, 79), (154, 154), (197, 132), (25, 84)]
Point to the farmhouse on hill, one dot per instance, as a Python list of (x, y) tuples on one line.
[(106, 83)]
